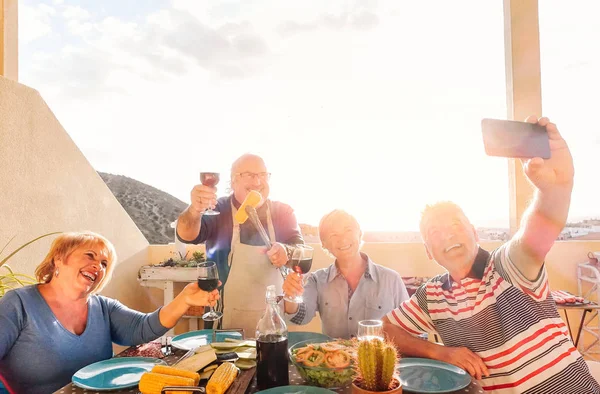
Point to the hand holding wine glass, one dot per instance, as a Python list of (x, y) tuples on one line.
[(293, 286), (210, 179), (202, 198), (195, 296), (300, 264), (208, 280)]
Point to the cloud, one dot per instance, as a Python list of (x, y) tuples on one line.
[(78, 20), (111, 52), (75, 12), (220, 50), (363, 20), (34, 22)]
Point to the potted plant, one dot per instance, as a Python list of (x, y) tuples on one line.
[(10, 279), (183, 261), (178, 268), (376, 368)]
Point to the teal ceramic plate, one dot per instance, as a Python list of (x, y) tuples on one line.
[(194, 339), (114, 373), (422, 375), (297, 390), (296, 336)]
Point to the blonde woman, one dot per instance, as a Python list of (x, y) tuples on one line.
[(51, 330)]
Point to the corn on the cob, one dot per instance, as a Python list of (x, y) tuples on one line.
[(222, 379), (176, 372), (152, 383)]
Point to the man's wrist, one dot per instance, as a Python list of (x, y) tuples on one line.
[(434, 351), (291, 308), (195, 213)]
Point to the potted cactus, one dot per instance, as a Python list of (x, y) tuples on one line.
[(376, 368)]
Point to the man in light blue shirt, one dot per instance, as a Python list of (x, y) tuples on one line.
[(351, 289)]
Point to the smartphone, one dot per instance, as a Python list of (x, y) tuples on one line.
[(509, 138)]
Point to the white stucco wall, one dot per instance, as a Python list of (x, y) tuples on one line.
[(46, 185)]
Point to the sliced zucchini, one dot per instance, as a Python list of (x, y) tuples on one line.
[(245, 364)]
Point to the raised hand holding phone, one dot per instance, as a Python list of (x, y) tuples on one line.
[(558, 169), (545, 155), (508, 138)]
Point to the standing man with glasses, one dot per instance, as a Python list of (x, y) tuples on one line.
[(246, 266)]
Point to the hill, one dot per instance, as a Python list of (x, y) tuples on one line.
[(151, 209)]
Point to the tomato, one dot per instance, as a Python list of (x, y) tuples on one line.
[(317, 360), (338, 359)]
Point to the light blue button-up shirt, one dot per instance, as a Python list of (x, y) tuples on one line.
[(326, 291)]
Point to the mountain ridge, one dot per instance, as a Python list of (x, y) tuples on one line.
[(151, 209)]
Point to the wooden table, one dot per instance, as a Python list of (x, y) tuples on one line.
[(295, 379)]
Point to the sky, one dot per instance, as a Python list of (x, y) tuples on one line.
[(372, 106)]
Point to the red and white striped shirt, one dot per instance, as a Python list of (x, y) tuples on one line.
[(507, 320)]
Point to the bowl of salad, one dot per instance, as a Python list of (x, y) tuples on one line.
[(328, 364)]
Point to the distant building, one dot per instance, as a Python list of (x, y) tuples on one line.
[(574, 232), (492, 234)]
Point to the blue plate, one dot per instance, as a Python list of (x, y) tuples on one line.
[(297, 390), (194, 339), (114, 373), (422, 375), (296, 336)]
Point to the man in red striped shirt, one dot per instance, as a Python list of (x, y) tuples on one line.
[(493, 311)]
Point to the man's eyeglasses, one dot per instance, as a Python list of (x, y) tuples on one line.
[(247, 176)]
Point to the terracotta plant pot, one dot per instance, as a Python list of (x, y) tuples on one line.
[(395, 383)]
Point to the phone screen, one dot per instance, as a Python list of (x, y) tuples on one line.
[(508, 138)]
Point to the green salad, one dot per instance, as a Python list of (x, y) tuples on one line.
[(327, 364)]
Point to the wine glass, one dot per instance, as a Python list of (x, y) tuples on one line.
[(208, 280), (370, 329), (210, 179), (300, 263)]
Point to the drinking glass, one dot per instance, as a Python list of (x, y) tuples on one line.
[(210, 179), (370, 329), (300, 263), (208, 280)]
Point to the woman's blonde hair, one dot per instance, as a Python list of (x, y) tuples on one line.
[(65, 244), (329, 219)]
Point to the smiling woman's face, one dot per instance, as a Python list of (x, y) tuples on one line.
[(85, 268)]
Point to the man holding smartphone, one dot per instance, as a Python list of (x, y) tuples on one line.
[(493, 311)]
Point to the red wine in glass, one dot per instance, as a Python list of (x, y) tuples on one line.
[(300, 263), (210, 179), (302, 266), (208, 280), (208, 284)]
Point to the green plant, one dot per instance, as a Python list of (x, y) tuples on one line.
[(376, 364), (182, 260), (13, 279)]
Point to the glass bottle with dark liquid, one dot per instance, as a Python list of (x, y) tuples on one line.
[(271, 346)]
